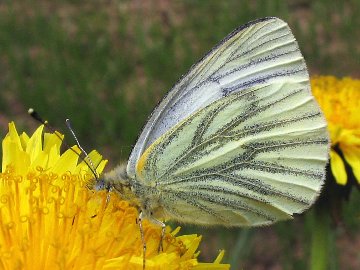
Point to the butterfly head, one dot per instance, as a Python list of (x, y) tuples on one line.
[(101, 184), (117, 180)]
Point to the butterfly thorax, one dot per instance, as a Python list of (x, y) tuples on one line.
[(145, 197)]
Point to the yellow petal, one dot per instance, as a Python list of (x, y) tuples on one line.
[(13, 155), (40, 160), (51, 139), (335, 132), (220, 257), (6, 158), (13, 134), (94, 161), (68, 160), (24, 138), (54, 155), (338, 168), (349, 137), (216, 265), (101, 166), (13, 151), (352, 156), (192, 242), (34, 145)]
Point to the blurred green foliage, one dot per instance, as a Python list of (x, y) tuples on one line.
[(105, 65)]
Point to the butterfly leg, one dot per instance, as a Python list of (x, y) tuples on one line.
[(139, 220), (163, 228), (108, 195)]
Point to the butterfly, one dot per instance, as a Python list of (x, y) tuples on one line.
[(238, 141)]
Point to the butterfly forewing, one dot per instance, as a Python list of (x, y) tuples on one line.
[(251, 158), (258, 53)]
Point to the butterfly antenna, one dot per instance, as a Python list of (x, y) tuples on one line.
[(34, 114), (86, 159)]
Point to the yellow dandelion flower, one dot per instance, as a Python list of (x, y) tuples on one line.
[(340, 101), (50, 219)]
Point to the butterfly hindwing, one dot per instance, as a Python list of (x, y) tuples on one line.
[(251, 158)]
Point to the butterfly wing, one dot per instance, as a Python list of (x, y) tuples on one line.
[(251, 158), (260, 52)]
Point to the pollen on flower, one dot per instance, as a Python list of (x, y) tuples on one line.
[(340, 101), (50, 219)]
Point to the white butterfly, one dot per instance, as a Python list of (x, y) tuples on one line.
[(238, 141)]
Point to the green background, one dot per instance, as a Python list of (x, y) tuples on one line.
[(106, 64)]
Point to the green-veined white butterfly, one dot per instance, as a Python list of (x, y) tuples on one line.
[(238, 141)]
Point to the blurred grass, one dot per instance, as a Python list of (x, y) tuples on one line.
[(105, 65)]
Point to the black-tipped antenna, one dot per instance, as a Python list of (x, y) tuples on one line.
[(34, 114), (86, 158)]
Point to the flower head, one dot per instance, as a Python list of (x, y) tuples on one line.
[(340, 101), (50, 219)]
